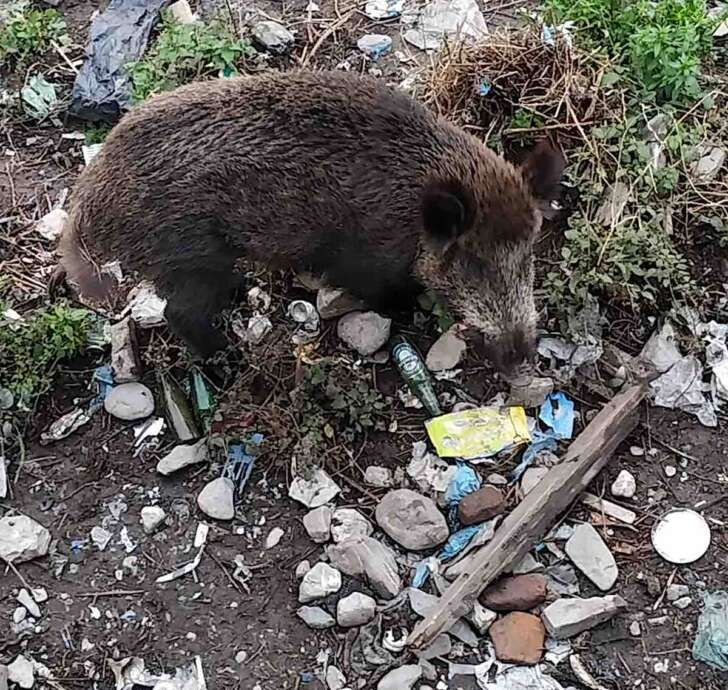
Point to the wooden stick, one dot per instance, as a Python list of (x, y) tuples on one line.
[(536, 514)]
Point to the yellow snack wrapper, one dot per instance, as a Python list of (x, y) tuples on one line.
[(483, 431)]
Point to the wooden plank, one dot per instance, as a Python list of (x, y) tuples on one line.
[(531, 520)]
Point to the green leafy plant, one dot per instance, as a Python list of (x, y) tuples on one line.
[(31, 348), (184, 53), (662, 42), (27, 32), (96, 133)]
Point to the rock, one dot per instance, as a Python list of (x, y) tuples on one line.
[(709, 164), (531, 477), (274, 537), (347, 523), (216, 499), (528, 564), (183, 456), (412, 520), (446, 352), (518, 638), (568, 617), (129, 401), (561, 579), (625, 485), (670, 470), (481, 505), (356, 609), (517, 593), (51, 225), (634, 629), (100, 537), (318, 583), (314, 490), (611, 209), (481, 618), (367, 557), (315, 617), (19, 616), (441, 646), (381, 477), (532, 395), (318, 524), (40, 594), (590, 554), (682, 602), (124, 353), (152, 517), (24, 599), (675, 592), (274, 37), (332, 303), (302, 568), (21, 672), (497, 479), (374, 45), (22, 539), (335, 679), (402, 678), (365, 331)]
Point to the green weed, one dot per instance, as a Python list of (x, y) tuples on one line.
[(184, 53), (31, 348), (27, 32), (661, 42), (96, 133)]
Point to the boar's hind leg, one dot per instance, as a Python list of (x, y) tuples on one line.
[(194, 299)]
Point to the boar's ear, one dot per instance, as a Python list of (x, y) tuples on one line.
[(542, 171), (446, 213)]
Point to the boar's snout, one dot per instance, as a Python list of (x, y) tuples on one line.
[(513, 353)]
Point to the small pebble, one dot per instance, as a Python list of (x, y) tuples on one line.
[(670, 471), (682, 602), (634, 629), (637, 451)]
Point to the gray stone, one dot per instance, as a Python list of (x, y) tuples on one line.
[(481, 618), (590, 554), (274, 37), (568, 617), (709, 164), (124, 354), (315, 617), (302, 568), (216, 499), (635, 629), (152, 517), (347, 523), (356, 609), (318, 583), (313, 490), (532, 394), (531, 477), (335, 679), (365, 331), (441, 646), (381, 477), (675, 592), (446, 352), (22, 539), (412, 520), (21, 672), (129, 401), (332, 303), (19, 615), (318, 524), (26, 600), (625, 485), (682, 602), (367, 557), (528, 564), (183, 456), (402, 678), (561, 579)]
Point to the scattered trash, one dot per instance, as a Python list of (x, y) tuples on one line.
[(459, 20), (146, 306), (557, 413), (483, 431), (39, 97), (64, 426), (183, 456), (314, 491), (414, 372), (383, 9), (332, 303), (523, 678), (681, 536), (590, 554), (147, 434), (365, 331), (100, 537), (118, 37), (566, 618), (580, 671), (307, 318), (131, 673), (374, 45), (199, 543), (274, 37), (22, 539), (412, 520), (216, 499), (125, 363), (431, 474), (51, 225), (129, 401), (380, 477), (257, 329), (446, 352), (711, 640), (241, 459), (179, 413), (347, 523)]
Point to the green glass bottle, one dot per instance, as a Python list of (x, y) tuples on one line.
[(413, 370)]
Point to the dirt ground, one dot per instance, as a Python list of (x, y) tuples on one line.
[(105, 605)]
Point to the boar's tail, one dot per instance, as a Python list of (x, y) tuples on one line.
[(79, 270)]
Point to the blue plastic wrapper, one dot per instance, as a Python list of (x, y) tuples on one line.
[(422, 574), (711, 642), (541, 441), (457, 542), (465, 481), (557, 413), (104, 380), (240, 463)]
